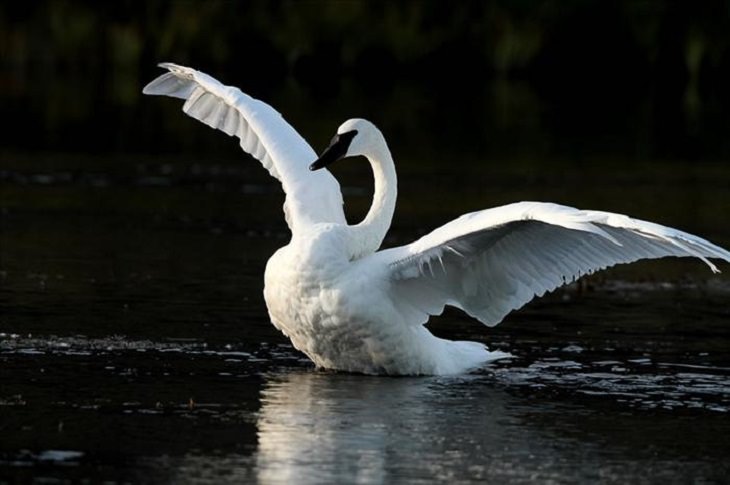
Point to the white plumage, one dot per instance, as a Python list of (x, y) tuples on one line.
[(351, 307), (263, 134)]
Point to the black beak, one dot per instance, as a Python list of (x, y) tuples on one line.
[(337, 150)]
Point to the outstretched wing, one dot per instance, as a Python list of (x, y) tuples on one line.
[(491, 262), (311, 197)]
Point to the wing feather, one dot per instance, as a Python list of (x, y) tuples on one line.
[(492, 262), (312, 197), (229, 121)]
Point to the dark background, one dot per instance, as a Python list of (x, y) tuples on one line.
[(635, 79)]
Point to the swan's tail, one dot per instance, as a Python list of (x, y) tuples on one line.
[(459, 357)]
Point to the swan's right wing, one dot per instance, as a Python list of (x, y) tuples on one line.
[(491, 262), (311, 197)]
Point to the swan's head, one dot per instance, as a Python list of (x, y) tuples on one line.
[(354, 137)]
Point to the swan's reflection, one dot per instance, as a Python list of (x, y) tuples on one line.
[(317, 427), (332, 428)]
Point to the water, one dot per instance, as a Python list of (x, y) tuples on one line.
[(135, 344), (141, 351), (601, 405)]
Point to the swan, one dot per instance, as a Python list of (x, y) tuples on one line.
[(351, 307)]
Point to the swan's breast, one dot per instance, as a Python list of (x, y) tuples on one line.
[(302, 280), (328, 306)]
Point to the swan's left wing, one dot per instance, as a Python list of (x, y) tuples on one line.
[(491, 262), (311, 197)]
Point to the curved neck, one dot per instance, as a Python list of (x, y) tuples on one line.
[(367, 236)]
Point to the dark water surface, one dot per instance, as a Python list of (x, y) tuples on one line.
[(135, 344)]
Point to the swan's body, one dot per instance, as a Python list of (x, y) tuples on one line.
[(342, 315), (351, 307)]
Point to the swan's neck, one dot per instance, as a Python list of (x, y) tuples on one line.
[(367, 236)]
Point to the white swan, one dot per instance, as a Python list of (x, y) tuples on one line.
[(351, 307)]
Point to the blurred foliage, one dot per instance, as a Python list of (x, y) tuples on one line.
[(409, 37), (651, 73)]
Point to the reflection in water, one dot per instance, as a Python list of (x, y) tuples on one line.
[(332, 428), (316, 427), (193, 413)]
